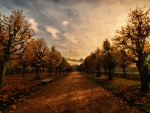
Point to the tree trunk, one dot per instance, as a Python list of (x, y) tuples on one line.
[(59, 70), (50, 71), (147, 72), (37, 72), (2, 74), (110, 74), (143, 77), (98, 71), (124, 72), (105, 71), (43, 69), (23, 72), (56, 71), (93, 70), (89, 70)]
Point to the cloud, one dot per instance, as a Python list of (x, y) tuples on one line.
[(70, 38), (73, 62), (66, 50), (53, 31), (34, 25), (77, 50), (63, 45), (80, 25), (65, 23)]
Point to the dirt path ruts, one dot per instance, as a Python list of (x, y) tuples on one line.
[(73, 93)]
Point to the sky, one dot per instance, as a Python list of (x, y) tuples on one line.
[(75, 27)]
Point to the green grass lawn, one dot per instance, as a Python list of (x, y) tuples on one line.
[(127, 89)]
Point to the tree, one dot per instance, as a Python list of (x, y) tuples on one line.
[(27, 56), (93, 61), (88, 64), (134, 37), (40, 51), (109, 57), (54, 59), (123, 62), (98, 53), (14, 33), (63, 65), (81, 67)]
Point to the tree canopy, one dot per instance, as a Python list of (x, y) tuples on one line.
[(15, 31), (133, 40)]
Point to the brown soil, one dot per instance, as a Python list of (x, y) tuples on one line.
[(73, 93)]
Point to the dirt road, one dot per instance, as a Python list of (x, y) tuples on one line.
[(73, 93)]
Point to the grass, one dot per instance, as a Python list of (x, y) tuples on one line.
[(128, 72), (127, 89)]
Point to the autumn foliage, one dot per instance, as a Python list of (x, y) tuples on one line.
[(129, 46), (17, 42), (20, 51), (15, 31), (133, 40)]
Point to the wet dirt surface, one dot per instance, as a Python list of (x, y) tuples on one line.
[(73, 93)]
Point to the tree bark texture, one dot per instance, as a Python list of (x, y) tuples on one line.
[(2, 74)]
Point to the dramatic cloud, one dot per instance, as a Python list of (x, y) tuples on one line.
[(52, 31), (74, 27)]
